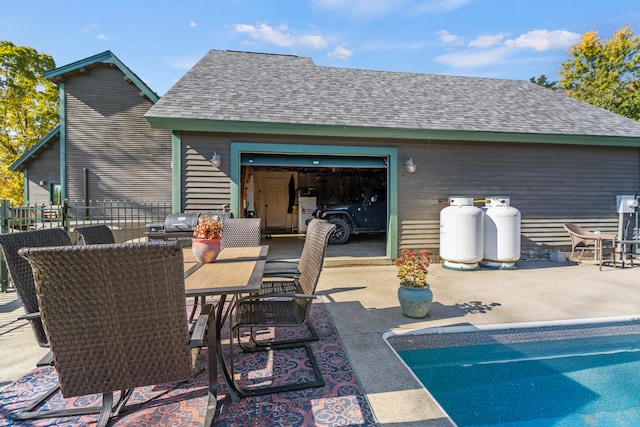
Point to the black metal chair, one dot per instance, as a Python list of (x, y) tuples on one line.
[(96, 234), (282, 304), (137, 335), (21, 274)]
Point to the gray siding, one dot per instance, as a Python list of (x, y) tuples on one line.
[(204, 188), (46, 168), (549, 184), (108, 135)]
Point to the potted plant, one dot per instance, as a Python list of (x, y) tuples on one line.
[(205, 242), (414, 293)]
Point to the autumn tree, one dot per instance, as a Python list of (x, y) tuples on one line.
[(605, 73), (28, 109)]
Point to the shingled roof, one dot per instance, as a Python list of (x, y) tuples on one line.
[(266, 88)]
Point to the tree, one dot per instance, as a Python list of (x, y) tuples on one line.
[(605, 73), (28, 109), (543, 81)]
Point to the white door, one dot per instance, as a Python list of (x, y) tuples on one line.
[(275, 202)]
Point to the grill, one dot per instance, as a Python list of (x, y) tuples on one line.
[(177, 227)]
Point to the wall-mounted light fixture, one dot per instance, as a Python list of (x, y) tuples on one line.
[(41, 183), (410, 165), (215, 160)]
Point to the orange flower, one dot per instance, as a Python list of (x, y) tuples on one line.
[(208, 228)]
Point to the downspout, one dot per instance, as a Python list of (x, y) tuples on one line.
[(85, 190), (25, 186)]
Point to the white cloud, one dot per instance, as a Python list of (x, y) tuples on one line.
[(487, 41), (364, 9), (432, 6), (103, 37), (541, 40), (282, 36), (193, 24), (473, 59), (340, 52), (88, 28), (449, 38)]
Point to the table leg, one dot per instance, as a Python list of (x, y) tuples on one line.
[(220, 319)]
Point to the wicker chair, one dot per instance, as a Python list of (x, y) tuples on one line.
[(291, 269), (22, 276), (583, 240), (96, 234), (238, 232), (136, 336), (283, 304)]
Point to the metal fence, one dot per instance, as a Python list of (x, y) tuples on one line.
[(127, 219)]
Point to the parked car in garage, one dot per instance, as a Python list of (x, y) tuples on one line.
[(367, 214)]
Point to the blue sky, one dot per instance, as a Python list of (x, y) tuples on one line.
[(161, 39)]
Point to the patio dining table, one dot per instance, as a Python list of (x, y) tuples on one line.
[(236, 270)]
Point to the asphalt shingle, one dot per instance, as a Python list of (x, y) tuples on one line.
[(255, 87)]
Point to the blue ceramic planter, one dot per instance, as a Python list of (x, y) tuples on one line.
[(415, 302)]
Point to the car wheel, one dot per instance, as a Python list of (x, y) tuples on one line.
[(341, 234)]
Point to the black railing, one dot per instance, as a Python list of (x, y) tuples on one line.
[(127, 219)]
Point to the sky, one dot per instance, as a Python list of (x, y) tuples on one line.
[(160, 40)]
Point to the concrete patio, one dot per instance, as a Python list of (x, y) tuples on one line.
[(360, 295)]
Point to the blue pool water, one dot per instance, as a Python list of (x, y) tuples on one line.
[(589, 376)]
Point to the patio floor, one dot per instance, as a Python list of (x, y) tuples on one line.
[(362, 303)]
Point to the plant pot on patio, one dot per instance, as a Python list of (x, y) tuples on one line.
[(414, 293)]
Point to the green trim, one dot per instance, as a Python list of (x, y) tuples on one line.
[(314, 161), (63, 142), (390, 153), (106, 57), (264, 128), (176, 171), (21, 162)]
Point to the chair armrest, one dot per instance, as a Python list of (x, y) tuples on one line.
[(264, 297), (30, 316), (201, 327)]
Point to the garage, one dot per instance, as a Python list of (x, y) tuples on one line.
[(284, 189)]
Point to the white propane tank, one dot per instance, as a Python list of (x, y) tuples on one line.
[(501, 234), (461, 234)]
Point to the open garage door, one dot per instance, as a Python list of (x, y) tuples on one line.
[(318, 181)]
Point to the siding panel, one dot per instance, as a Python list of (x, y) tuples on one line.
[(108, 135), (549, 184)]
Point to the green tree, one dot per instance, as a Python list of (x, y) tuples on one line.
[(543, 81), (605, 73), (28, 109)]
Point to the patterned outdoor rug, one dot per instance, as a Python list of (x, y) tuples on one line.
[(340, 402)]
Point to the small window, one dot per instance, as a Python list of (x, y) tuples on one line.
[(55, 193)]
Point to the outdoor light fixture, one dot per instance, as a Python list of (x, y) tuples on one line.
[(215, 160), (409, 165)]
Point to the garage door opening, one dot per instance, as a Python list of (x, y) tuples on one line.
[(285, 189)]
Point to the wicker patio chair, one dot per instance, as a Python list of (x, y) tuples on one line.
[(237, 232), (583, 240), (291, 269), (21, 274), (283, 304), (96, 234), (137, 335)]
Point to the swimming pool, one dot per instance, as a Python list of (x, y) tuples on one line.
[(569, 375)]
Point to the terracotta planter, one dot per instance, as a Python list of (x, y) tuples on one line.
[(415, 302), (205, 250)]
